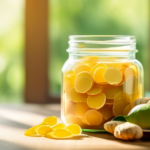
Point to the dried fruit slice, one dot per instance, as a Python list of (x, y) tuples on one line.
[(74, 129), (131, 85), (94, 117), (106, 112), (94, 90), (71, 119), (70, 107), (59, 126), (119, 107), (52, 120), (77, 97), (82, 67), (127, 109), (83, 84), (84, 74), (61, 133), (112, 76), (128, 72), (43, 130), (111, 91), (31, 131), (96, 101), (81, 109), (116, 65), (110, 101), (99, 75), (122, 94)]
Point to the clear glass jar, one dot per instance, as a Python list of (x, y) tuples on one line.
[(100, 80)]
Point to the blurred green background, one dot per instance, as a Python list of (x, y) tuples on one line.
[(67, 17)]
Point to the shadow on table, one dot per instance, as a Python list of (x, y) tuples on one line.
[(107, 136), (12, 146)]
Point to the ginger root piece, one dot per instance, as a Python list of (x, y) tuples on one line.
[(143, 100), (128, 131), (111, 125)]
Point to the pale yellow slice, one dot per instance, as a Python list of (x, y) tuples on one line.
[(94, 90)]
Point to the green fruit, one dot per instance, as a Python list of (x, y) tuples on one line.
[(139, 115)]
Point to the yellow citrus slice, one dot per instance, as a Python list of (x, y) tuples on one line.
[(74, 129), (122, 94), (94, 117), (70, 107), (106, 112), (94, 90), (112, 76), (52, 120), (83, 84), (119, 107), (127, 109), (96, 101), (71, 119), (81, 109), (81, 68), (84, 74), (111, 91), (77, 97), (59, 126), (61, 133), (43, 130), (31, 131), (99, 75), (131, 85)]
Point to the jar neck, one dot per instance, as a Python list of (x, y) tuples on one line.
[(126, 55), (105, 46)]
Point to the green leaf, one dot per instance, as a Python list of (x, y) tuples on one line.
[(94, 131), (120, 118)]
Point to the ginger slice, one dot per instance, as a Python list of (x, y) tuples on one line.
[(84, 74), (81, 109), (99, 75), (122, 94), (77, 97), (83, 84), (43, 130), (119, 107), (52, 120), (112, 76), (128, 72), (106, 112), (94, 90), (59, 126), (110, 101), (82, 67), (110, 91), (94, 117), (61, 133), (131, 85), (116, 65), (74, 129), (127, 109), (96, 101), (70, 107)]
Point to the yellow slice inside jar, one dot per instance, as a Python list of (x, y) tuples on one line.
[(96, 101), (83, 84), (112, 76)]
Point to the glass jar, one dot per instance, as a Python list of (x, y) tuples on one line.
[(100, 80)]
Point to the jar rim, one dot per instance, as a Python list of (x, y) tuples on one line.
[(102, 42)]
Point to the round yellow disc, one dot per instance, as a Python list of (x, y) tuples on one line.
[(77, 97), (112, 76), (84, 74), (94, 90), (96, 101), (127, 109), (122, 94), (81, 68), (99, 75), (83, 84), (94, 117), (81, 109)]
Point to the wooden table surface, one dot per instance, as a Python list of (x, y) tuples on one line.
[(15, 119)]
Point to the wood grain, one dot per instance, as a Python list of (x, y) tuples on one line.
[(15, 119)]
